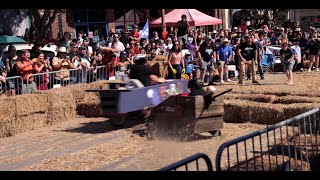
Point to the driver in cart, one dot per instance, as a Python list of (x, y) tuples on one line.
[(142, 73)]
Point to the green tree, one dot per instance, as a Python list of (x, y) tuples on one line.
[(275, 17), (41, 21)]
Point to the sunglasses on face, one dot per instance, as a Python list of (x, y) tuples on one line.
[(176, 44), (116, 37)]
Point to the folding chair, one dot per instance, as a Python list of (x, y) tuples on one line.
[(268, 63)]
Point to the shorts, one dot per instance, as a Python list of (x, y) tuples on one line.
[(206, 65), (288, 65)]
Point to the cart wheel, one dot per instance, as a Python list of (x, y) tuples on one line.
[(118, 121), (215, 133)]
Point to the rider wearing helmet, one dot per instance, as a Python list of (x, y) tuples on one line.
[(141, 72)]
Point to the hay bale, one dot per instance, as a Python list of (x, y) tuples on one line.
[(160, 58), (158, 67), (292, 110), (89, 109), (252, 97), (240, 111), (80, 94), (62, 105), (22, 124), (101, 84), (60, 115), (31, 103), (295, 99), (231, 110), (79, 91), (7, 109)]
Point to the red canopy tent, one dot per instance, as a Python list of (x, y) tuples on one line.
[(194, 17)]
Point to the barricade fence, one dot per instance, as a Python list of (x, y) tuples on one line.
[(291, 145), (55, 79), (195, 162)]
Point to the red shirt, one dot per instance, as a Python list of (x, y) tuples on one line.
[(164, 35), (135, 51), (135, 34)]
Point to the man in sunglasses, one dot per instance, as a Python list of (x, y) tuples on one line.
[(118, 45)]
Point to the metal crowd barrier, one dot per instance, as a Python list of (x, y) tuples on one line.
[(291, 145), (12, 86), (48, 80), (188, 162)]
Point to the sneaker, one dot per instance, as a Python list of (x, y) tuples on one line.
[(301, 69), (222, 82), (262, 77), (229, 80), (309, 70), (317, 69), (255, 82), (240, 82)]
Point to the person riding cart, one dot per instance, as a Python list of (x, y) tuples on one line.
[(141, 72)]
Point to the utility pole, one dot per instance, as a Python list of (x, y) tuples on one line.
[(162, 17)]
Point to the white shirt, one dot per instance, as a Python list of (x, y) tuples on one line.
[(119, 45)]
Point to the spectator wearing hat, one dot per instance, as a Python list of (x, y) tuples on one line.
[(61, 63), (141, 72), (214, 34), (183, 27), (224, 55), (26, 68), (247, 52)]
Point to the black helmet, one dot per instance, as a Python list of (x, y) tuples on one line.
[(195, 83), (140, 58)]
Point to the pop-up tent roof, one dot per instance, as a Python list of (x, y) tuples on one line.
[(129, 18), (194, 17)]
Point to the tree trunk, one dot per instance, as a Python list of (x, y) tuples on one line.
[(43, 23)]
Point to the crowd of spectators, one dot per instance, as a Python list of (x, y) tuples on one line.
[(206, 55)]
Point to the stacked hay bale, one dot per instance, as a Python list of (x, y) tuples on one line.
[(239, 111), (7, 116), (31, 111), (88, 103), (61, 105), (266, 109), (158, 65)]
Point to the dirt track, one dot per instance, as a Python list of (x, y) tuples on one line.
[(93, 144)]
